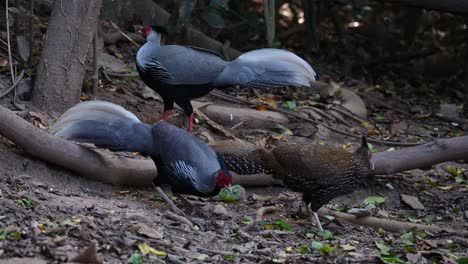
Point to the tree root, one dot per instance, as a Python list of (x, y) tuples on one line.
[(389, 225)]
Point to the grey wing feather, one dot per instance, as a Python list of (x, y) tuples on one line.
[(199, 66), (106, 125), (265, 68)]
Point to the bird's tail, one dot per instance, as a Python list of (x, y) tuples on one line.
[(106, 125), (265, 68)]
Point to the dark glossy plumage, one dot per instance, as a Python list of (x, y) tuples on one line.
[(183, 161), (181, 73)]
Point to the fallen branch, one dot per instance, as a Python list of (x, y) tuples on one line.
[(66, 154), (135, 172), (179, 219), (389, 225)]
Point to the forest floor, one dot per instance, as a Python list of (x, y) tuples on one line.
[(48, 214)]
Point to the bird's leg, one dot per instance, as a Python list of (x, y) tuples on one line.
[(314, 217), (165, 115), (171, 204), (190, 123)]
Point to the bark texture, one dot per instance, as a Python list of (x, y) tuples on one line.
[(62, 65)]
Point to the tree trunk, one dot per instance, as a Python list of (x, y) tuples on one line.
[(62, 65)]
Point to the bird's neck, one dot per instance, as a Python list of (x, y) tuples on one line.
[(154, 38)]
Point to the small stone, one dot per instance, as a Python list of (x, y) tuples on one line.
[(382, 214), (412, 202), (220, 210), (208, 208)]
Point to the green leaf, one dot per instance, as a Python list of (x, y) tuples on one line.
[(229, 257), (290, 105), (374, 200), (459, 179), (213, 17), (3, 233), (407, 239), (370, 146), (316, 245), (391, 258), (326, 234), (283, 225), (157, 198), (227, 194), (245, 221), (24, 202), (462, 260), (304, 249), (135, 258), (384, 250), (15, 235), (454, 171), (432, 183), (328, 249)]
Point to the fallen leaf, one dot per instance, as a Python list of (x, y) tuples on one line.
[(147, 231), (122, 192), (259, 107), (261, 198), (347, 247), (374, 200), (89, 255), (412, 202), (145, 249)]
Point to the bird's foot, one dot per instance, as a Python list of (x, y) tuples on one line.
[(314, 218)]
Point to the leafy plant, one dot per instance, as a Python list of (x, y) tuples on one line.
[(374, 200), (290, 105), (283, 225), (135, 258)]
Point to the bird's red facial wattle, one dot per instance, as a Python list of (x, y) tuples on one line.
[(223, 180), (145, 31)]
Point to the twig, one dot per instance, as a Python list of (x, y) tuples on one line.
[(227, 253), (8, 43), (15, 83), (125, 35), (389, 225), (179, 219), (259, 215), (234, 99), (118, 74), (215, 125), (383, 104)]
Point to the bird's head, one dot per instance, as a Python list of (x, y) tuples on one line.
[(146, 30), (223, 179)]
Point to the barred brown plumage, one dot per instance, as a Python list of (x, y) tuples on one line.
[(320, 173)]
